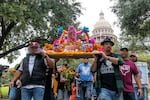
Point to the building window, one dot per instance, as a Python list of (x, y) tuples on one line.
[(100, 30)]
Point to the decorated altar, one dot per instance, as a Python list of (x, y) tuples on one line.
[(68, 45)]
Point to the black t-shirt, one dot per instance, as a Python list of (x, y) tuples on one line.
[(60, 84), (108, 80)]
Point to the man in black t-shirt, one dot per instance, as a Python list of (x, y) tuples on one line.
[(106, 66), (49, 95), (63, 93)]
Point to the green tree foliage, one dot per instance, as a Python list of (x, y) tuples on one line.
[(134, 18), (134, 43), (73, 63), (143, 57), (5, 79), (24, 20)]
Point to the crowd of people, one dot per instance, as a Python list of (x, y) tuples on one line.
[(109, 77)]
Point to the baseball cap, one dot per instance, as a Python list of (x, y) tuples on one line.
[(34, 44), (124, 49), (133, 54)]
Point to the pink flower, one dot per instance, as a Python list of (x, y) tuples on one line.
[(102, 49), (56, 42), (92, 40)]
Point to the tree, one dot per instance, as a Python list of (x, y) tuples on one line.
[(134, 18), (24, 20), (133, 43)]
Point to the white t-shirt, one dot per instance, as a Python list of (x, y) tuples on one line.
[(31, 65)]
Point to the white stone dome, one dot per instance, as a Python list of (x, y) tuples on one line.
[(102, 23)]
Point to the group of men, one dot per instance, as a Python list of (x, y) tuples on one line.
[(113, 74)]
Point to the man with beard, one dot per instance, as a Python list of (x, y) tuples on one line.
[(106, 65), (32, 72)]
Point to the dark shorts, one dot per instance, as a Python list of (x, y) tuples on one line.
[(128, 95)]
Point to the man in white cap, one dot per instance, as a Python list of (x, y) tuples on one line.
[(32, 72), (143, 74), (133, 57)]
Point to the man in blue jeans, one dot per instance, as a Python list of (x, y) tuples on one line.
[(15, 91), (143, 73), (108, 84), (32, 72), (86, 78)]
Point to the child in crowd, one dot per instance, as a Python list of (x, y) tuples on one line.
[(73, 88)]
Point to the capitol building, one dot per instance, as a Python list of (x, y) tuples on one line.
[(103, 29)]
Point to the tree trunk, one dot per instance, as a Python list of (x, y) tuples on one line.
[(13, 49), (5, 31), (26, 44)]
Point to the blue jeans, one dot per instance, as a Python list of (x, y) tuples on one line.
[(94, 92), (106, 94), (85, 90), (37, 93), (12, 93), (63, 94), (145, 93)]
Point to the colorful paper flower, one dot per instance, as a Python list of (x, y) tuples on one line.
[(60, 30), (85, 29)]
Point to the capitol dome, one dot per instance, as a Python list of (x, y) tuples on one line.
[(102, 29), (102, 23)]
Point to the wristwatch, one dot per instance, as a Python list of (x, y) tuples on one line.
[(108, 58), (45, 56)]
